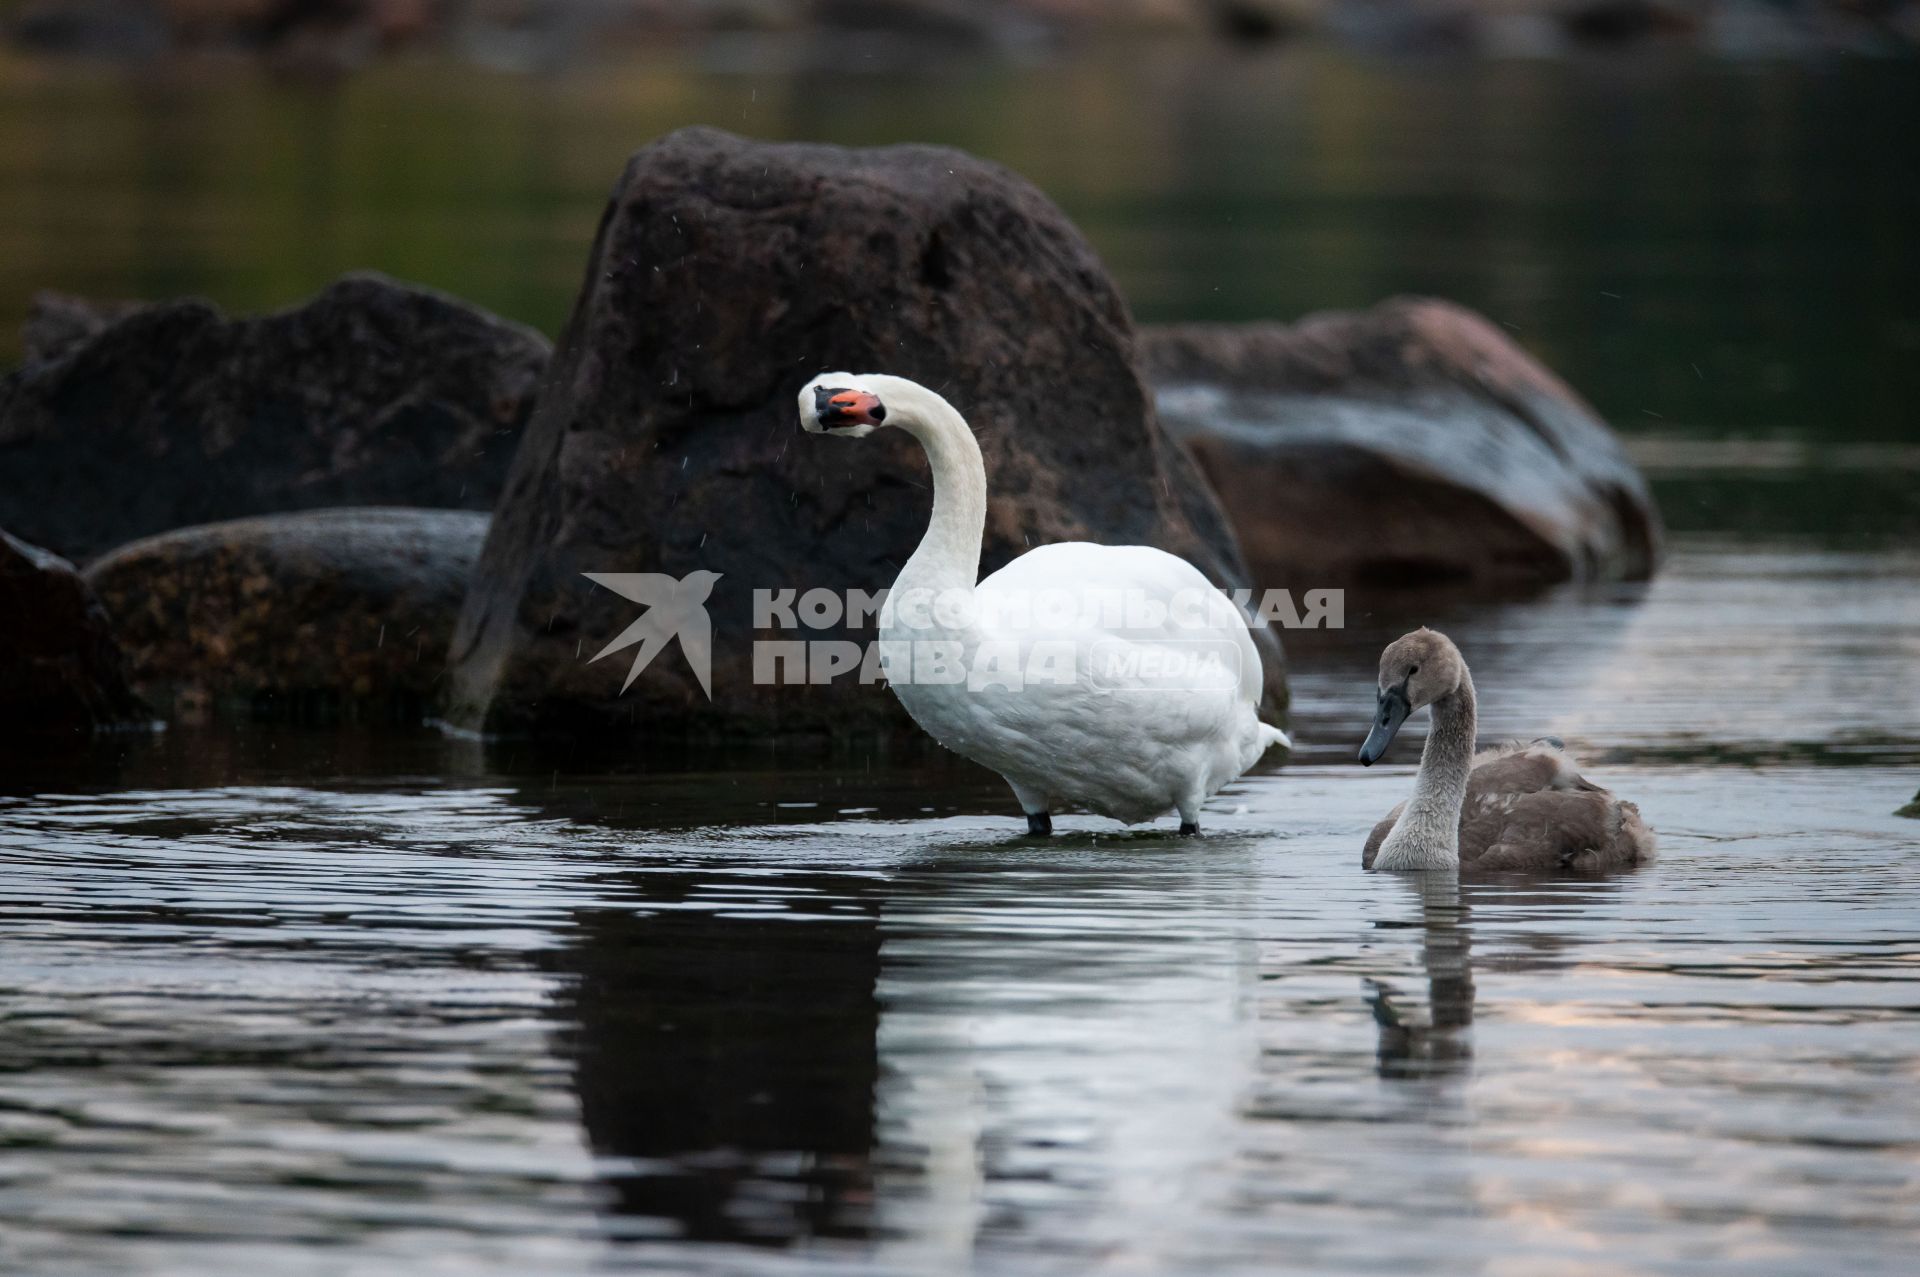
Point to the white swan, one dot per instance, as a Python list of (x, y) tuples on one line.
[(1116, 679), (1514, 807)]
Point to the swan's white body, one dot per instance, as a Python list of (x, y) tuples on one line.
[(1114, 745), (1111, 735)]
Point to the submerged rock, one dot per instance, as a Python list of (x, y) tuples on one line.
[(60, 670), (1408, 445), (314, 613), (725, 275), (173, 414)]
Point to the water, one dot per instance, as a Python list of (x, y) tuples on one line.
[(289, 1002), (1701, 247), (297, 1001)]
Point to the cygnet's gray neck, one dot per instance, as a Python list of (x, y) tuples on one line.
[(1427, 835)]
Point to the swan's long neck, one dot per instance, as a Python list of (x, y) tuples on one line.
[(949, 554), (1427, 835)]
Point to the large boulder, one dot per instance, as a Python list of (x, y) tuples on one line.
[(1408, 445), (58, 322), (312, 614), (60, 670), (725, 274), (373, 393)]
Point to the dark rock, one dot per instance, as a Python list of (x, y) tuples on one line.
[(101, 28), (372, 393), (1411, 444), (1408, 27), (116, 29), (1255, 21), (872, 35), (965, 23), (1625, 21), (728, 272), (60, 670), (316, 613), (1912, 809), (57, 322)]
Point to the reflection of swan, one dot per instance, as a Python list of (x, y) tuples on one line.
[(1059, 1042), (1512, 808), (1106, 732), (1412, 1046), (1408, 1047)]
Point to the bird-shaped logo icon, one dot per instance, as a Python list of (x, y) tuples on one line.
[(675, 609)]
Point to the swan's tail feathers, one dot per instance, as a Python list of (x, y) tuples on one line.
[(1641, 842), (1271, 736)]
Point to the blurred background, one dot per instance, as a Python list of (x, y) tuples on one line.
[(1702, 213)]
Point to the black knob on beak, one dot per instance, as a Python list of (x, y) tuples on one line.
[(839, 406)]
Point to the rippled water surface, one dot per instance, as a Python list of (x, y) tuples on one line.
[(294, 1002)]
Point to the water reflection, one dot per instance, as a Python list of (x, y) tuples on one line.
[(1439, 1045), (284, 1002), (724, 1053), (1416, 1044), (260, 1025)]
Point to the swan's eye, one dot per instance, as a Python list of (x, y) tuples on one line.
[(1413, 671)]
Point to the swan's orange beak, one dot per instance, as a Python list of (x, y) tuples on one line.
[(838, 409)]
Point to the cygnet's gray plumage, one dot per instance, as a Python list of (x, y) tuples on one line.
[(1515, 807)]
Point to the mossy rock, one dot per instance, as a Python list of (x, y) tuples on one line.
[(313, 615)]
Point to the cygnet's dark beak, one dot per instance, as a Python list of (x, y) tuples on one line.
[(838, 408), (1387, 717)]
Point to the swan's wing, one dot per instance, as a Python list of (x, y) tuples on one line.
[(1083, 569), (1379, 835), (1555, 830), (1112, 582), (1534, 768)]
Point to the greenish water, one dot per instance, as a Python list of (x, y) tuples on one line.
[(1697, 246)]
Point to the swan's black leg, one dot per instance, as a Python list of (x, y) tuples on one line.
[(1039, 824), (1189, 828)]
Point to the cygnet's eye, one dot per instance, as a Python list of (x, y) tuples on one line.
[(1413, 671)]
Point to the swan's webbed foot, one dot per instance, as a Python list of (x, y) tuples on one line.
[(1039, 824), (1189, 829)]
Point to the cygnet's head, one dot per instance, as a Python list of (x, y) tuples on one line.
[(1416, 670), (842, 403)]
